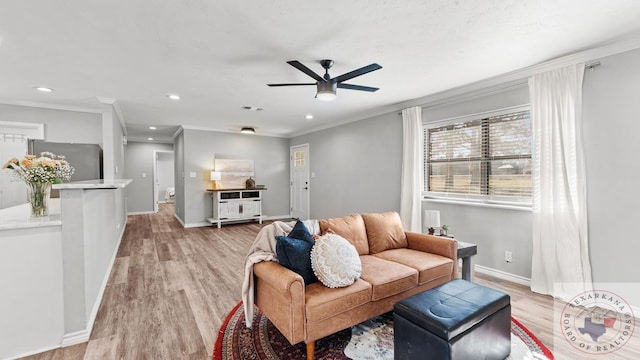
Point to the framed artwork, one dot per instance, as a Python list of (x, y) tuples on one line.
[(234, 172)]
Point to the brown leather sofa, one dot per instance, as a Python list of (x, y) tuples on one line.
[(395, 265)]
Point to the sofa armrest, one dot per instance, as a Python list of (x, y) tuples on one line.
[(438, 245), (279, 293), (278, 276)]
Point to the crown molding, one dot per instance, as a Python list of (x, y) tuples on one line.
[(114, 102), (519, 76), (204, 128), (144, 140), (175, 134), (106, 100), (493, 84), (50, 106)]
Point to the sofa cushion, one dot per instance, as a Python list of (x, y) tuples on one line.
[(349, 227), (335, 261), (430, 266), (323, 302), (384, 231), (387, 278)]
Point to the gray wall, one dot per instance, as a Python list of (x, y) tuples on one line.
[(113, 144), (611, 128), (610, 114), (138, 161), (59, 125), (357, 167), (118, 147), (178, 152), (271, 162), (495, 230)]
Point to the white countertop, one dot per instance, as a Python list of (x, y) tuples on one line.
[(94, 184), (19, 217)]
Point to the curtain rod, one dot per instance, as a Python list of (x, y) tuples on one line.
[(592, 65)]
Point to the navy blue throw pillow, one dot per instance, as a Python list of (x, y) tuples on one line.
[(300, 232), (295, 255), (294, 252)]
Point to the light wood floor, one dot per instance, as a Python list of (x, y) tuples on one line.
[(171, 288)]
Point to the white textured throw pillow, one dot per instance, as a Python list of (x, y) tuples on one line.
[(335, 261)]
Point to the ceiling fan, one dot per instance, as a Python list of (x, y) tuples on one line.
[(326, 85)]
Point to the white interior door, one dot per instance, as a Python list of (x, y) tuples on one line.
[(12, 191), (300, 181)]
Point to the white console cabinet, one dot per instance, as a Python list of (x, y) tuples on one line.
[(230, 205)]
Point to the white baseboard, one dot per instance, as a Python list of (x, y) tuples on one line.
[(198, 224), (140, 213), (74, 338), (191, 225), (525, 281), (503, 275), (178, 218), (276, 217)]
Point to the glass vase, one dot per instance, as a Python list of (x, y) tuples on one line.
[(38, 193)]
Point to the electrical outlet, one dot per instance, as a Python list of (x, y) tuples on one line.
[(508, 256)]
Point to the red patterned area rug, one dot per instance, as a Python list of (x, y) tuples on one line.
[(373, 339)]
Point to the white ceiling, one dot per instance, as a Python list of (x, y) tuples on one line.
[(219, 55)]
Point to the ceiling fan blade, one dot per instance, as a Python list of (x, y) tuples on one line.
[(294, 84), (357, 87), (298, 65), (363, 70)]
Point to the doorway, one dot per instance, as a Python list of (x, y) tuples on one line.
[(164, 190), (300, 198), (14, 139), (12, 191)]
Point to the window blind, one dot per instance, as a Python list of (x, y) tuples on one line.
[(488, 157)]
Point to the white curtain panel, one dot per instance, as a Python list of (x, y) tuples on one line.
[(560, 263), (411, 183)]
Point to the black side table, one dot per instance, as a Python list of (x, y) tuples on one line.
[(465, 252)]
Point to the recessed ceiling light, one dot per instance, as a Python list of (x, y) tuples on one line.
[(44, 89), (152, 127), (150, 139), (308, 117), (173, 96), (248, 130)]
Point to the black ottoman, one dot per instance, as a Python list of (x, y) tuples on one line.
[(456, 320)]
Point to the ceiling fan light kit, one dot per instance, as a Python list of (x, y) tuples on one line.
[(327, 86), (326, 90)]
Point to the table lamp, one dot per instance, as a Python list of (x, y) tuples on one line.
[(215, 177), (431, 220)]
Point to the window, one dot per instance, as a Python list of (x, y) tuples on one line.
[(481, 158), (299, 157)]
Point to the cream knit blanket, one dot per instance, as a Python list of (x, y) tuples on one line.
[(264, 249)]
